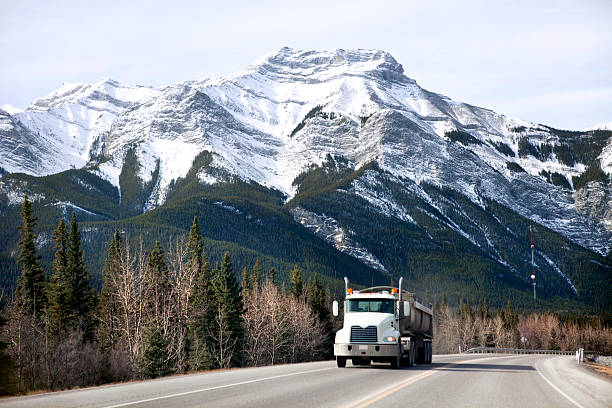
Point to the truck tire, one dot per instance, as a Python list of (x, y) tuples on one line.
[(341, 361), (421, 354), (411, 354), (396, 362)]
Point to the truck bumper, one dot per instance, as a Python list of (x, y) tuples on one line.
[(365, 350)]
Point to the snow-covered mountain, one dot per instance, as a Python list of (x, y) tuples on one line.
[(65, 129), (289, 110)]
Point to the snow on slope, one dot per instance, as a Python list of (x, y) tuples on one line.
[(286, 112), (605, 158), (73, 121), (11, 109), (328, 229)]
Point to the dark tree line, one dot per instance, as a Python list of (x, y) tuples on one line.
[(159, 311)]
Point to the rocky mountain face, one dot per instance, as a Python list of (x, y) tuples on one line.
[(344, 147)]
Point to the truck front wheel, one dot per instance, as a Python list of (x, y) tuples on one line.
[(341, 361), (396, 362)]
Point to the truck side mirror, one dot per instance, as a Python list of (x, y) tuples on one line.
[(335, 308)]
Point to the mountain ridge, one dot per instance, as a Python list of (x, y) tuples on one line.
[(309, 126)]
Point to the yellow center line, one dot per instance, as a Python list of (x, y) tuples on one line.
[(372, 398)]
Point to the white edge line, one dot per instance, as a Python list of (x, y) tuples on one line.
[(180, 394), (570, 399)]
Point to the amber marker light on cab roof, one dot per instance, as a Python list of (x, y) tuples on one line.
[(349, 291)]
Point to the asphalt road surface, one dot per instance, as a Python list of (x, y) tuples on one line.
[(450, 381)]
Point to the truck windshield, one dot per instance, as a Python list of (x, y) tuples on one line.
[(370, 305)]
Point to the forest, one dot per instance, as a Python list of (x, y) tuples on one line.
[(165, 310)]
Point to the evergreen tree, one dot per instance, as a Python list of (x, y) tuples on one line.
[(272, 276), (200, 357), (58, 294), (227, 333), (195, 245), (256, 278), (156, 361), (158, 283), (30, 292), (107, 307), (80, 296), (245, 280), (510, 317), (465, 310), (483, 309), (60, 262), (297, 284), (319, 303)]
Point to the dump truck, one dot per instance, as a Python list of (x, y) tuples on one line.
[(383, 324)]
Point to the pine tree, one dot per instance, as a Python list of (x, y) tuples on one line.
[(320, 307), (245, 280), (227, 334), (510, 316), (80, 296), (158, 283), (58, 293), (200, 357), (483, 309), (107, 307), (553, 343), (195, 245), (156, 361), (30, 293), (272, 276), (297, 284), (256, 278)]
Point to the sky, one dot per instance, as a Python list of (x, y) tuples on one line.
[(544, 61)]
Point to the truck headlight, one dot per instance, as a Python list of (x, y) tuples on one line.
[(390, 339)]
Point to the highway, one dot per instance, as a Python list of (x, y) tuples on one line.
[(450, 381)]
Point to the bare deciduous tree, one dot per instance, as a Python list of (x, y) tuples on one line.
[(279, 328)]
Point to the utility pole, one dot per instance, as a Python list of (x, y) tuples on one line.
[(535, 306)]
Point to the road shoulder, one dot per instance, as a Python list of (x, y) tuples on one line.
[(579, 385)]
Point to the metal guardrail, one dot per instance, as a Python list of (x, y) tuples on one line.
[(495, 350)]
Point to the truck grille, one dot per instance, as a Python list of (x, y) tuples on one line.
[(360, 335)]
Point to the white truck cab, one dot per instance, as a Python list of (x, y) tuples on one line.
[(379, 327)]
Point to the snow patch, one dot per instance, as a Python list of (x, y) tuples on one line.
[(42, 239), (605, 158), (108, 171), (373, 191), (556, 268), (10, 109), (333, 233), (227, 207), (17, 195), (67, 204)]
